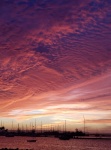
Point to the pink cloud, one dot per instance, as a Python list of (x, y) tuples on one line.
[(54, 56)]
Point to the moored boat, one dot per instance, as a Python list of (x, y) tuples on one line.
[(31, 140)]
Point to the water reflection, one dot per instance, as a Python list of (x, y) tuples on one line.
[(51, 143)]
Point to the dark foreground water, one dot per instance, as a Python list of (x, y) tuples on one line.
[(46, 143)]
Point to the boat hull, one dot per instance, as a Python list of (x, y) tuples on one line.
[(31, 140)]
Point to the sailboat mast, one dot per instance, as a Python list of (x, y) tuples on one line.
[(1, 123), (84, 124), (65, 125), (12, 125), (35, 125), (41, 126)]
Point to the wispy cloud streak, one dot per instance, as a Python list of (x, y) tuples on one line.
[(55, 54)]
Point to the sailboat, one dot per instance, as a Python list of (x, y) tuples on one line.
[(65, 135), (33, 140)]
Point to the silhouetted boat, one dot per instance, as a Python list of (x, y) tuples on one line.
[(31, 140), (64, 137), (9, 135)]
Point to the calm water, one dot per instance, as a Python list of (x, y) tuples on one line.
[(46, 143)]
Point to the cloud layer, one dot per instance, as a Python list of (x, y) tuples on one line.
[(55, 56)]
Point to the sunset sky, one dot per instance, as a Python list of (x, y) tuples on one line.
[(55, 63)]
